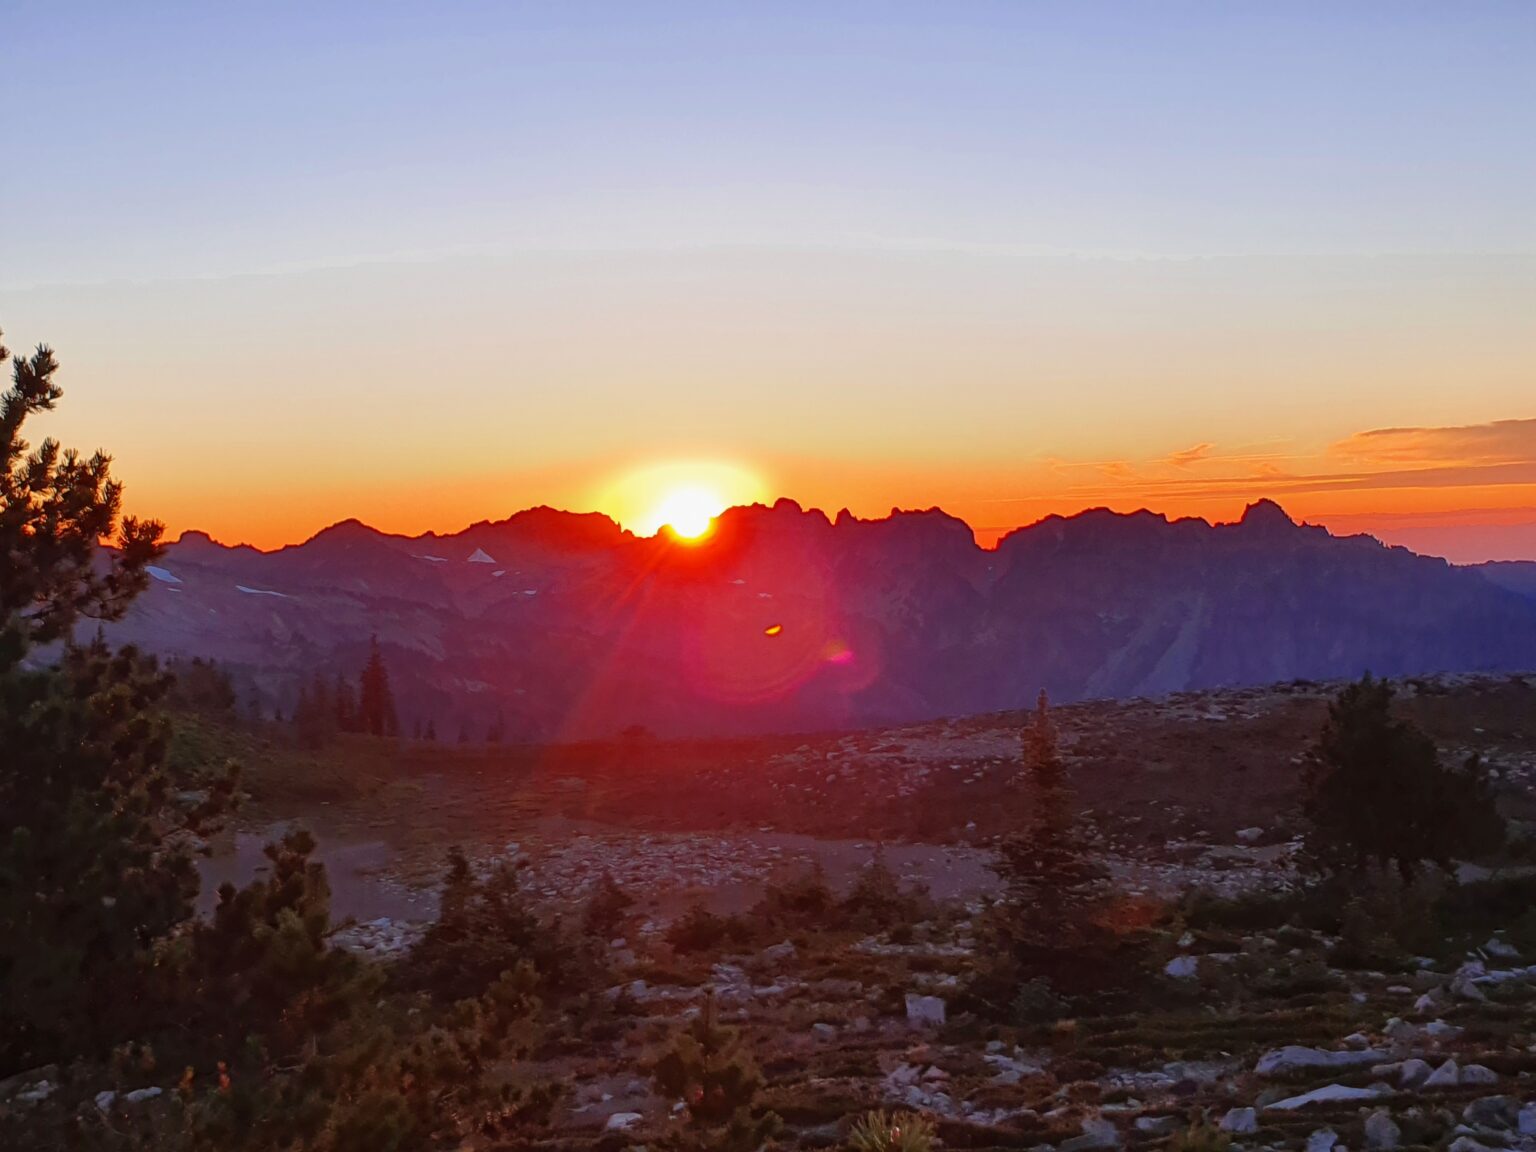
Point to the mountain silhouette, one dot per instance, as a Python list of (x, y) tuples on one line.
[(569, 626)]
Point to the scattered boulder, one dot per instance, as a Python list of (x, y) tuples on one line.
[(1464, 988), (139, 1095), (1495, 1112), (1182, 967), (1501, 950), (1478, 1074), (1294, 1058), (1440, 1030), (622, 1121), (1098, 1133), (780, 953), (1162, 1125), (1448, 1075), (1327, 1094), (105, 1099), (1414, 1072), (1526, 1123), (1322, 1140), (925, 1011), (36, 1093), (1250, 835), (1240, 1122), (1381, 1131)]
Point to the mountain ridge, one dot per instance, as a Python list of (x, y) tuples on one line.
[(567, 625)]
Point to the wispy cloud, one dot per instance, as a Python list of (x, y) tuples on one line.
[(1187, 457), (1499, 442)]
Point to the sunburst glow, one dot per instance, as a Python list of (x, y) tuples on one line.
[(683, 496), (689, 512)]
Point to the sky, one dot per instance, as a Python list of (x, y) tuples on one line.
[(430, 264)]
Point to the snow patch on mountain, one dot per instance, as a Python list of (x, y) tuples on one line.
[(164, 575), (480, 556), (262, 592)]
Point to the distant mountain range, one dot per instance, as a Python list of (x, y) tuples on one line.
[(564, 625)]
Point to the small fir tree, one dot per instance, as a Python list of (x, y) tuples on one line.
[(376, 703)]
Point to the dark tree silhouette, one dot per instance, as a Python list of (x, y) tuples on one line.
[(1046, 928), (376, 703), (90, 874), (1378, 794), (55, 509)]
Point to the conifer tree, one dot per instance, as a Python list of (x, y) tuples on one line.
[(376, 704), (1379, 795), (1046, 927), (91, 874)]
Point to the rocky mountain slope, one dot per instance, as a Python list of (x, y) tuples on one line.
[(565, 626)]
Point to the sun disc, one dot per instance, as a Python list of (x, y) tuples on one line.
[(680, 497), (690, 512)]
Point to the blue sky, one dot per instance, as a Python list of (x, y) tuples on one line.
[(216, 139), (838, 243)]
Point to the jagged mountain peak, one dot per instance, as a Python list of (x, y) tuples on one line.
[(786, 619)]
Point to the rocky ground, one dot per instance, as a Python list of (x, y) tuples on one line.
[(1269, 1034)]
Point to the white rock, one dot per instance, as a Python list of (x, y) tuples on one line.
[(105, 1099), (1465, 989), (1448, 1075), (620, 1121), (1182, 967), (1495, 1113), (1250, 835), (780, 952), (1329, 1093), (1440, 1030), (823, 1029), (1294, 1058), (1527, 1123), (36, 1093), (139, 1095), (1240, 1121), (903, 1076), (1381, 1132), (925, 1010), (1322, 1140), (1501, 949), (1097, 1133), (1425, 1004), (1413, 1073), (1478, 1074)]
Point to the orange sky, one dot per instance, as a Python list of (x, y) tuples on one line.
[(1007, 261), (1425, 488)]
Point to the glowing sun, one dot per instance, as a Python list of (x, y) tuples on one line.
[(689, 512), (682, 496)]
